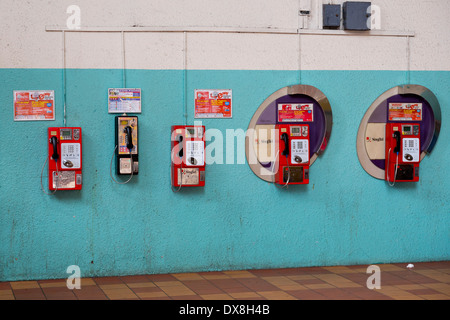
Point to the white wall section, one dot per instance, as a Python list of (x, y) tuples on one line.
[(26, 43)]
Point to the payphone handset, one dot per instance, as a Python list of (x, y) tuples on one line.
[(188, 156), (64, 156), (402, 152), (293, 154), (127, 153)]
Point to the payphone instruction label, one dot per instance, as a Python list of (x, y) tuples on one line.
[(70, 155), (195, 153), (299, 151), (411, 150)]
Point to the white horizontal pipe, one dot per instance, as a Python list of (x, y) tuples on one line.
[(378, 33)]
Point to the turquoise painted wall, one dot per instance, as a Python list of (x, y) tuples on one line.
[(237, 221)]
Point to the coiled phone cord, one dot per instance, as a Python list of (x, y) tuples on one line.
[(132, 168), (181, 178), (57, 177), (396, 168), (289, 173)]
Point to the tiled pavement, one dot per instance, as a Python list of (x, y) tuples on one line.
[(426, 281)]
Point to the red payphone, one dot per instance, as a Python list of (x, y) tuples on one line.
[(293, 154), (64, 151), (402, 152), (188, 156)]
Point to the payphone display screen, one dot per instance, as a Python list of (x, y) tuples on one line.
[(66, 134)]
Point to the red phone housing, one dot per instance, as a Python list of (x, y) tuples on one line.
[(64, 173), (188, 156), (402, 145), (293, 158)]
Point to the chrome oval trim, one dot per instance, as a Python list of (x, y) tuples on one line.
[(419, 90), (310, 91)]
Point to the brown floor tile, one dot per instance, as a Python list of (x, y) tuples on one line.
[(431, 265), (239, 274), (153, 295), (29, 294), (210, 273), (288, 271), (202, 287), (53, 284), (218, 296), (235, 290), (136, 285), (191, 297), (90, 293), (391, 278), (338, 281), (313, 270), (258, 284), (188, 276), (146, 289), (435, 297), (120, 294), (61, 296), (440, 287), (7, 294), (175, 289), (161, 277), (5, 285), (25, 285), (436, 275), (134, 279), (276, 295), (265, 272), (359, 278), (426, 281), (227, 283), (319, 286), (245, 295), (368, 294), (340, 269), (307, 295), (420, 292), (91, 297), (336, 294), (108, 280), (310, 281)]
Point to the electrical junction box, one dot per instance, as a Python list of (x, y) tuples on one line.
[(357, 15), (331, 16)]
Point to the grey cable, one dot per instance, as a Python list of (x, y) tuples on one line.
[(396, 168), (57, 177)]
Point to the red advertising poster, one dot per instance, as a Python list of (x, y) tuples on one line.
[(213, 103), (405, 112), (295, 112), (34, 105)]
